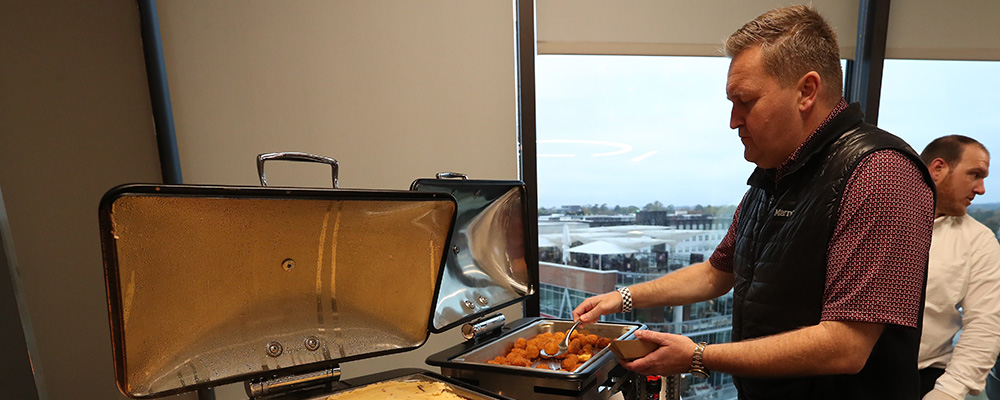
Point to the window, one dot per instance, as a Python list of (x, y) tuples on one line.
[(619, 130), (638, 174), (926, 99)]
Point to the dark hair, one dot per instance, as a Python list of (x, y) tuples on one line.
[(794, 41), (948, 148)]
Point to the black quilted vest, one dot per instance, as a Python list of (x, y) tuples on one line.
[(780, 264)]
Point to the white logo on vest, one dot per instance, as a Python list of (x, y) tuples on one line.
[(783, 213)]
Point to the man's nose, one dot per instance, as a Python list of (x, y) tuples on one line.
[(735, 119)]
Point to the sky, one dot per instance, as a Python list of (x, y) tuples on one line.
[(632, 130)]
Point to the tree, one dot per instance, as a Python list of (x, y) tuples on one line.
[(654, 206), (988, 217)]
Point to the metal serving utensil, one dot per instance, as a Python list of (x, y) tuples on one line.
[(564, 345)]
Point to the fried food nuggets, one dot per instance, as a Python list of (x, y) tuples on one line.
[(527, 352)]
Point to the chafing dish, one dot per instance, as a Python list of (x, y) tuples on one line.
[(272, 287)]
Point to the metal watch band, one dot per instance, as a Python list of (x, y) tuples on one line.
[(697, 366), (626, 299)]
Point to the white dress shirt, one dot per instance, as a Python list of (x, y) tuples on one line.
[(963, 293)]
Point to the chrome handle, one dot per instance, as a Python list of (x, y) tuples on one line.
[(452, 175), (296, 156)]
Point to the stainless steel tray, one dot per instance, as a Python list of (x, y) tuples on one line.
[(597, 379), (503, 345)]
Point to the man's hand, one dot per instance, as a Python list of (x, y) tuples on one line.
[(937, 395), (673, 357), (593, 308)]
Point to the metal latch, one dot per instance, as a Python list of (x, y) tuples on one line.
[(483, 327), (282, 384)]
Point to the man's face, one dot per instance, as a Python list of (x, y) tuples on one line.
[(957, 185), (765, 114)]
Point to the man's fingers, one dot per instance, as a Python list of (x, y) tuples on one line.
[(583, 309), (652, 337), (590, 317), (640, 365)]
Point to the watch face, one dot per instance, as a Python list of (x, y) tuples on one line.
[(699, 373)]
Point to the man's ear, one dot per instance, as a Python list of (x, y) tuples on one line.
[(938, 169), (809, 88)]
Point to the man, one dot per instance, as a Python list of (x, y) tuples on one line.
[(827, 253), (963, 276)]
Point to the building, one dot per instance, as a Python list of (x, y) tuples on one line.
[(654, 251), (683, 220)]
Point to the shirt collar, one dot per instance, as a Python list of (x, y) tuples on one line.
[(784, 167)]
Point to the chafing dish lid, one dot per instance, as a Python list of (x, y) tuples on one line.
[(212, 285), (486, 266)]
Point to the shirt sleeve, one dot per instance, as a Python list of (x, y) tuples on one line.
[(722, 257), (979, 342), (877, 257)]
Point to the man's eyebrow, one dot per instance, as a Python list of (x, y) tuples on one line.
[(731, 92)]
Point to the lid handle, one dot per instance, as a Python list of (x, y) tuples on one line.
[(296, 156), (452, 175)]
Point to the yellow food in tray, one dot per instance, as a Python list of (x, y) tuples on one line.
[(527, 352), (408, 390)]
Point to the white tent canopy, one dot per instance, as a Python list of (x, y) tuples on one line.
[(635, 243), (601, 247), (546, 242)]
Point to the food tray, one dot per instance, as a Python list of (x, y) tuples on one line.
[(597, 379), (503, 345)]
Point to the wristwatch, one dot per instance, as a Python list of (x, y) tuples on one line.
[(697, 367), (626, 299)]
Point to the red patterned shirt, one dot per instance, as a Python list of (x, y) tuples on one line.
[(876, 257)]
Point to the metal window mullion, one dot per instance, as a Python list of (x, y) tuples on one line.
[(864, 78), (159, 92), (527, 137)]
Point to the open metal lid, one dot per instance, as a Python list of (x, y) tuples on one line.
[(210, 285), (486, 268)]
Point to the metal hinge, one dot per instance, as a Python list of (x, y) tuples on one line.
[(268, 387), (483, 327)]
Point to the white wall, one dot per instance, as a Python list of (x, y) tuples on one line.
[(75, 120), (394, 90)]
